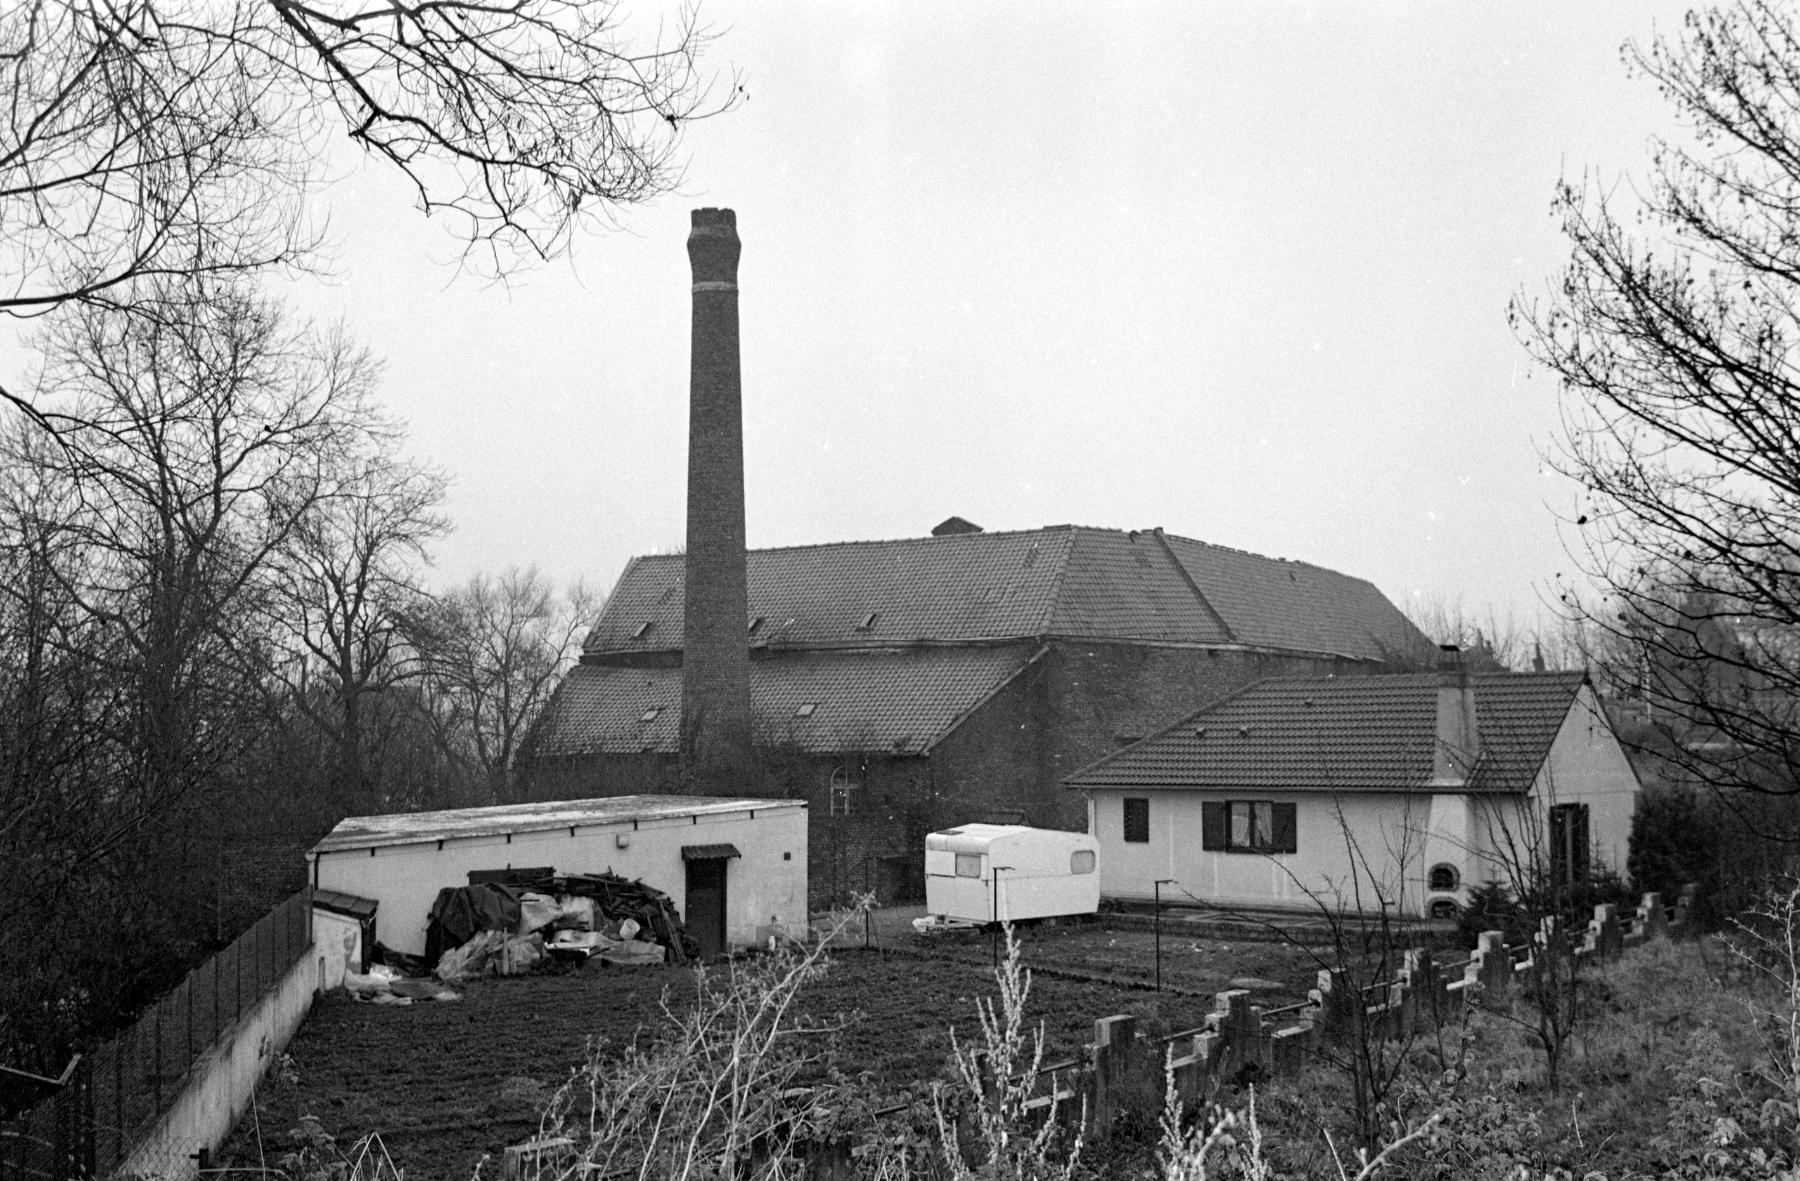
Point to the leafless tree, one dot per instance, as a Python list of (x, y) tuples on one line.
[(492, 651), (1672, 332), (343, 587), (161, 139)]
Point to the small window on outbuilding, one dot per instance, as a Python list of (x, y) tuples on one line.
[(1081, 861), (1137, 820), (968, 865)]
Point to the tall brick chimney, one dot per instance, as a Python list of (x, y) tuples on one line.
[(715, 662)]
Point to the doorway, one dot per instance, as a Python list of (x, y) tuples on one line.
[(705, 916)]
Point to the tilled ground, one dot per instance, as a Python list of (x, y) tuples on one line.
[(447, 1083)]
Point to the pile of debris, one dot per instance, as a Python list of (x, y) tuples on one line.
[(509, 928)]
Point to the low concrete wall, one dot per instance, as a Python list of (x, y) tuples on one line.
[(223, 1080)]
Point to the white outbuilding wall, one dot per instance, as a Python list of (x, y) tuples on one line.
[(403, 861)]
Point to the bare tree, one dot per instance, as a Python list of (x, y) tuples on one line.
[(1672, 332), (156, 139), (136, 551), (492, 652), (343, 588)]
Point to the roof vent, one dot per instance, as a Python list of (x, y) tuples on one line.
[(868, 622), (1199, 731), (952, 526), (643, 629), (1243, 731)]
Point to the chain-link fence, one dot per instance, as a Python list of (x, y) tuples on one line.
[(115, 1094)]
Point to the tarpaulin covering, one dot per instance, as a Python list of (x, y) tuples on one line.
[(621, 898), (461, 911)]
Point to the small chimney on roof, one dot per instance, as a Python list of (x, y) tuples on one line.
[(954, 525), (1457, 745), (715, 659)]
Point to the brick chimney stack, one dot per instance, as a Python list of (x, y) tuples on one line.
[(715, 676)]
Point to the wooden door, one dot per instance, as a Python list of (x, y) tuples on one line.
[(705, 916)]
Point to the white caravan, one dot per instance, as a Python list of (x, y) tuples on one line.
[(980, 873)]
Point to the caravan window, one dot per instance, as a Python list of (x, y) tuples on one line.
[(968, 865), (1081, 861)]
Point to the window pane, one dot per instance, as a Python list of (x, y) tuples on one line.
[(1263, 813), (968, 865), (1240, 826), (1081, 861)]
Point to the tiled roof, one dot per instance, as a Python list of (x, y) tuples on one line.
[(889, 701), (1375, 733), (1064, 581)]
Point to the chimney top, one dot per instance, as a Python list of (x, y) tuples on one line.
[(713, 249), (955, 525)]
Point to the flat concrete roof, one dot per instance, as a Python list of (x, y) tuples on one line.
[(414, 828)]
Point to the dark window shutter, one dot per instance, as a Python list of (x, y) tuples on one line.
[(1137, 820), (1287, 829), (1212, 826), (1579, 843)]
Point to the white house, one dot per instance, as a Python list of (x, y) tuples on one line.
[(731, 866), (1406, 789)]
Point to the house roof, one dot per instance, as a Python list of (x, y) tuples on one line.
[(414, 828), (1373, 733), (895, 700), (986, 587)]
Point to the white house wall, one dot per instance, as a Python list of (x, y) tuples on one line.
[(1586, 765), (767, 883), (1339, 839)]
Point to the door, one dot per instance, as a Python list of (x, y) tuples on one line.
[(705, 916)]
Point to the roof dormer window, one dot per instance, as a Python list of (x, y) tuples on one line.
[(868, 622), (643, 629)]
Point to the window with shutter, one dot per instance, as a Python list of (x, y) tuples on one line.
[(1137, 820), (1249, 826)]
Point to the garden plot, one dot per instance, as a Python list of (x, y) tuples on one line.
[(447, 1083)]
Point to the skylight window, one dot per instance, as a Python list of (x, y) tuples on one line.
[(806, 710), (649, 715), (756, 623), (868, 623), (643, 629)]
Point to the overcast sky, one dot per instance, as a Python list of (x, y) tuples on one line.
[(1237, 269)]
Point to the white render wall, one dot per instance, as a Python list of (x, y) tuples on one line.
[(1385, 827), (767, 883)]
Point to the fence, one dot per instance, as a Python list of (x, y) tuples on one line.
[(1238, 1038), (114, 1095)]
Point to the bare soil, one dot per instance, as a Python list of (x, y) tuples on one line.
[(448, 1083)]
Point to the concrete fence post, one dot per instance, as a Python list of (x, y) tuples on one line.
[(1682, 924), (1605, 935), (1423, 1000), (1492, 965), (1113, 1051), (1335, 1004)]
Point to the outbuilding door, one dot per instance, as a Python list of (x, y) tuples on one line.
[(705, 915)]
